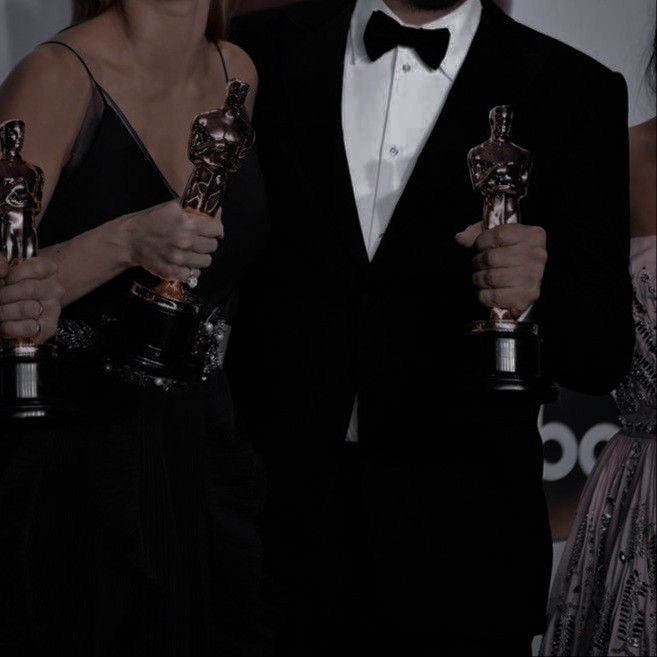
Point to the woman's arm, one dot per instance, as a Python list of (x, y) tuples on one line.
[(164, 239), (643, 195), (50, 91)]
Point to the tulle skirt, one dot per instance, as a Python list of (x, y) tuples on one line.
[(603, 597), (131, 530)]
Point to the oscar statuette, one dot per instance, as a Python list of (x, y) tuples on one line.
[(503, 354), (28, 372), (161, 321)]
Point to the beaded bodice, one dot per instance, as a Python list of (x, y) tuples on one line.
[(636, 395)]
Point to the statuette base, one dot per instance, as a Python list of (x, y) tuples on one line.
[(156, 336), (504, 356), (29, 383)]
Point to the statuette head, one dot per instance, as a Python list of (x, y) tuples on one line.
[(12, 137), (501, 120), (236, 96)]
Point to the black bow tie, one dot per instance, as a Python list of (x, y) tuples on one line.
[(383, 33)]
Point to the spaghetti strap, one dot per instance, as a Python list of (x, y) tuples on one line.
[(77, 55), (223, 62), (91, 121)]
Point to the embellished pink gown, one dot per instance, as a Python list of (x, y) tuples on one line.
[(603, 597)]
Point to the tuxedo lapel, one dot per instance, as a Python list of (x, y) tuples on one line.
[(489, 76), (314, 64)]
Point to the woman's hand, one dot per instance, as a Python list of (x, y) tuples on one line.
[(170, 242), (30, 299)]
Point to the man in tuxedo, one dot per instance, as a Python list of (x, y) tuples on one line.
[(405, 517)]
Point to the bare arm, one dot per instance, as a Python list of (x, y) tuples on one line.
[(643, 195), (91, 259), (51, 73), (163, 239)]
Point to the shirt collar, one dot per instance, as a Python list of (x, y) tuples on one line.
[(462, 24)]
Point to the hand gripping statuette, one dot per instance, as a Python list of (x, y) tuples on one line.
[(503, 354), (157, 333), (28, 372)]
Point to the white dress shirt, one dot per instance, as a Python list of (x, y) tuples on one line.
[(389, 109)]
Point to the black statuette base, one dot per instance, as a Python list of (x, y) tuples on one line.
[(156, 335), (504, 356), (29, 384)]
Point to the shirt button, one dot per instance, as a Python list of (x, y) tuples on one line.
[(406, 68), (394, 151)]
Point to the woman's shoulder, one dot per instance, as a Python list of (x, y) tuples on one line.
[(239, 63), (50, 71), (50, 90), (76, 54)]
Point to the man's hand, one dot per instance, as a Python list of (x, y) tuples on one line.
[(30, 299), (509, 265)]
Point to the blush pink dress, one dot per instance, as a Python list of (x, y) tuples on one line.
[(603, 597)]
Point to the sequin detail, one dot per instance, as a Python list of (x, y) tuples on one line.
[(209, 350), (73, 335), (604, 598), (605, 604), (211, 342), (636, 396)]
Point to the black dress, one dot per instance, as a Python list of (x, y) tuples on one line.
[(132, 530)]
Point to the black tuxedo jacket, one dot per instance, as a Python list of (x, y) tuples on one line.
[(452, 485)]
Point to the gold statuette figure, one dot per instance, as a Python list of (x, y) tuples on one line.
[(502, 355), (21, 188), (220, 140), (161, 322), (500, 173), (28, 373)]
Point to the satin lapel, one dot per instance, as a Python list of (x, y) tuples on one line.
[(492, 74), (314, 64)]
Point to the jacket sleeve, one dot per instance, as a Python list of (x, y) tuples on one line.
[(585, 310)]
